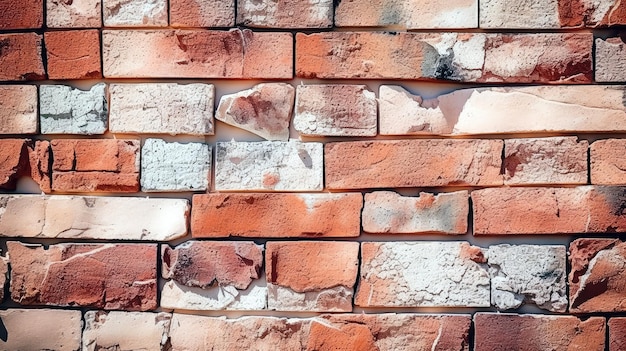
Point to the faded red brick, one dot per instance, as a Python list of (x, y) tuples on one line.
[(285, 13), (21, 57), (39, 162), (617, 334), (73, 54), (22, 157), (608, 161), (74, 13), (202, 13), (21, 14), (610, 60), (41, 329), (18, 109)]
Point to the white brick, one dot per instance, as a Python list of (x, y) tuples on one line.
[(40, 329), (135, 13), (116, 330), (65, 110)]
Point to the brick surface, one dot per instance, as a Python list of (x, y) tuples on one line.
[(54, 329), (108, 218), (610, 60), (74, 14), (22, 157), (20, 57), (608, 161), (202, 13), (125, 330), (23, 14), (617, 333), (65, 110), (73, 54), (4, 275), (285, 14), (335, 110), (197, 54), (276, 215), (108, 276), (422, 274), (412, 163), (135, 13), (389, 212), (18, 109), (504, 331), (39, 161)]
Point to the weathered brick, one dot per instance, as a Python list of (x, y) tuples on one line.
[(297, 281), (480, 57), (285, 13), (202, 13), (197, 54), (335, 110), (108, 276), (557, 160), (22, 157), (73, 54), (269, 166), (210, 275), (22, 14), (74, 14), (276, 215), (504, 331), (162, 108), (389, 212), (610, 59), (4, 275), (65, 110), (422, 274), (18, 109), (117, 330), (412, 163), (20, 57), (617, 333), (39, 162), (608, 161), (264, 110), (135, 13), (78, 217), (40, 329)]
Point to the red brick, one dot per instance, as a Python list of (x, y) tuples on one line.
[(608, 161), (202, 13), (73, 54), (18, 109), (20, 57), (412, 163), (276, 215), (39, 159), (617, 334), (21, 157), (21, 14)]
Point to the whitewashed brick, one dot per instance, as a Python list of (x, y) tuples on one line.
[(40, 329), (65, 110), (610, 60), (117, 330), (135, 13)]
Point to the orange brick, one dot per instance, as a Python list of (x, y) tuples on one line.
[(285, 14), (21, 14), (22, 157), (202, 13), (617, 334), (608, 161), (73, 54), (20, 57)]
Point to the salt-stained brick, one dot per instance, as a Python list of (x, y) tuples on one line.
[(118, 330), (610, 59), (197, 54), (65, 110), (389, 212), (21, 157), (202, 13), (22, 14), (135, 13), (162, 108), (74, 14), (18, 109), (585, 209), (479, 57), (297, 279), (107, 218), (73, 54), (175, 166), (90, 165), (285, 14), (412, 163), (422, 274), (596, 279), (20, 57), (264, 110), (269, 166), (40, 329), (557, 160), (608, 161), (408, 14), (107, 276), (211, 275), (617, 333), (527, 274), (335, 110), (276, 215)]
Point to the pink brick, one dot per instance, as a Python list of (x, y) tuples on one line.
[(18, 109), (202, 13), (608, 161)]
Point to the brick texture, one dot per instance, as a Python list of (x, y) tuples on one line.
[(106, 330), (617, 333), (73, 54), (55, 329), (608, 162), (74, 14), (18, 109), (23, 14), (20, 57), (202, 13), (610, 57), (285, 14)]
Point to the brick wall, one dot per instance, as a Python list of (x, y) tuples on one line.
[(312, 175)]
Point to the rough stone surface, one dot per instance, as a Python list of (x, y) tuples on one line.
[(117, 330), (503, 331), (528, 274), (608, 161), (276, 215), (108, 276), (18, 109), (610, 60), (54, 329), (202, 13), (617, 334), (178, 296), (65, 110), (135, 13), (389, 212), (285, 13), (4, 275), (557, 160), (175, 166), (269, 166), (20, 56), (264, 110), (479, 57), (162, 108), (39, 163), (74, 13), (197, 54), (422, 274), (22, 157), (412, 163), (335, 110), (22, 14), (73, 54), (298, 282), (107, 218)]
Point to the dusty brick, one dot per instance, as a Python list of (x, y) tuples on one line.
[(4, 275), (22, 14), (610, 60), (20, 57), (389, 212), (162, 108), (39, 162), (22, 157), (422, 274), (276, 215), (138, 13), (108, 276), (558, 160), (74, 14), (202, 13), (617, 333), (285, 13), (65, 110), (18, 109), (197, 54), (108, 218), (73, 54), (264, 110), (608, 161), (335, 110), (504, 331), (41, 329), (412, 163), (125, 330)]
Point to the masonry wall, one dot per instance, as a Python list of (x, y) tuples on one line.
[(312, 175)]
